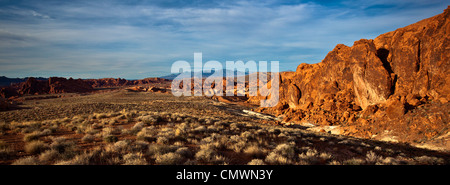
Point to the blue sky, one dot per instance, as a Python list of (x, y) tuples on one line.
[(138, 39)]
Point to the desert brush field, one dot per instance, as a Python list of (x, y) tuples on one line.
[(120, 127)]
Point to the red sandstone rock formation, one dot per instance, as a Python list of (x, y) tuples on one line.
[(374, 82)]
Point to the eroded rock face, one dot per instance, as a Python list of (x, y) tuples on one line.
[(374, 81), (419, 55)]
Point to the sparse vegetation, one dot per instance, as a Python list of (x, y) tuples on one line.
[(121, 130)]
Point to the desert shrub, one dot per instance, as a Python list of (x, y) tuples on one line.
[(183, 128), (313, 157), (256, 162), (162, 140), (221, 124), (148, 120), (30, 160), (134, 159), (158, 149), (90, 130), (247, 135), (274, 131), (137, 127), (237, 146), (146, 134), (236, 143), (206, 153), (139, 146), (334, 162), (277, 159), (117, 148), (100, 115), (36, 147), (215, 140), (4, 127), (212, 129), (209, 121), (199, 129), (169, 159), (36, 135), (3, 144), (49, 156), (62, 145), (427, 160), (287, 150), (81, 159), (372, 158), (88, 138), (282, 154), (255, 151), (388, 161), (111, 131), (220, 160), (184, 151), (5, 151), (110, 138), (236, 126), (354, 161)]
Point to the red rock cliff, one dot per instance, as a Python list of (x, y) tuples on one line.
[(391, 74)]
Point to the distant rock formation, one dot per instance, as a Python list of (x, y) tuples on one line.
[(119, 82), (55, 85)]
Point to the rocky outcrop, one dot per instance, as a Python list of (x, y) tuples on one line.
[(372, 82)]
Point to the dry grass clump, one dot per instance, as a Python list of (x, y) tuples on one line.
[(208, 154), (4, 127), (6, 152), (354, 161), (49, 156), (427, 160), (147, 134), (237, 143), (81, 159), (110, 138), (256, 162), (169, 159), (148, 119), (36, 135), (30, 160), (255, 151), (283, 154), (88, 138), (62, 145), (313, 157), (136, 128), (134, 159), (185, 152), (160, 149), (36, 147)]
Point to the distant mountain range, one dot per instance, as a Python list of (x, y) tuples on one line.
[(204, 75), (5, 81)]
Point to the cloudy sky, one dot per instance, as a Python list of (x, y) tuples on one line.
[(137, 39)]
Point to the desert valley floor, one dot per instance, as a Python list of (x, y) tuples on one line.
[(121, 127)]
